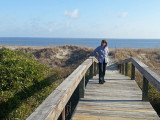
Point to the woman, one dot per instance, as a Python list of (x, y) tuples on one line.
[(101, 53)]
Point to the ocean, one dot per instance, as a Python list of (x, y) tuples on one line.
[(88, 42)]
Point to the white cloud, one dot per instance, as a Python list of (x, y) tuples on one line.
[(50, 30), (124, 14), (73, 14)]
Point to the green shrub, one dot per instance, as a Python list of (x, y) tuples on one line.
[(20, 76), (19, 71)]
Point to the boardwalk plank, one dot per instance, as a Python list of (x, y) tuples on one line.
[(118, 99)]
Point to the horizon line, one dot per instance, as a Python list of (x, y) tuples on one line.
[(78, 37)]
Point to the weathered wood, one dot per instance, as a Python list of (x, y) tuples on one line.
[(95, 68), (119, 98), (82, 87), (133, 72), (63, 114), (126, 60), (122, 69), (126, 69), (149, 74), (118, 67), (145, 89), (91, 71), (54, 104)]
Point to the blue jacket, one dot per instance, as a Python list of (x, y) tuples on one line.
[(103, 52)]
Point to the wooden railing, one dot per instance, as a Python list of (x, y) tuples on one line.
[(54, 105), (148, 74)]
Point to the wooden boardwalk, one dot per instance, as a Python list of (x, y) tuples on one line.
[(119, 98)]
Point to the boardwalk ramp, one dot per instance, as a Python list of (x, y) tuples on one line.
[(119, 98)]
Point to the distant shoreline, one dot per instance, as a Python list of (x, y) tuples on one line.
[(87, 38), (13, 47), (87, 42), (38, 47)]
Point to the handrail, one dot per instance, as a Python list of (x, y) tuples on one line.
[(55, 103), (148, 74)]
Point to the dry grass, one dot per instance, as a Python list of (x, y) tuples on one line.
[(67, 56), (59, 56), (150, 57)]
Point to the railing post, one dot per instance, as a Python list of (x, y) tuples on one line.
[(133, 72), (91, 71), (126, 69), (122, 68), (63, 114), (95, 68), (118, 67), (82, 87), (145, 89)]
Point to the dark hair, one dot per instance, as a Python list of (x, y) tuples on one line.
[(104, 41)]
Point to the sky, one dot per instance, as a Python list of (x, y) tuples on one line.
[(80, 18)]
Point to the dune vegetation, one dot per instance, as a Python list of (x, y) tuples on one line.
[(29, 75)]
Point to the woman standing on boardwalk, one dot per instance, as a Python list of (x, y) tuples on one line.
[(101, 53)]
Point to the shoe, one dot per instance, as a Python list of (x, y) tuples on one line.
[(101, 82), (101, 79), (104, 80)]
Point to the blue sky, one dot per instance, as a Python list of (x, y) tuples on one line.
[(80, 18)]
